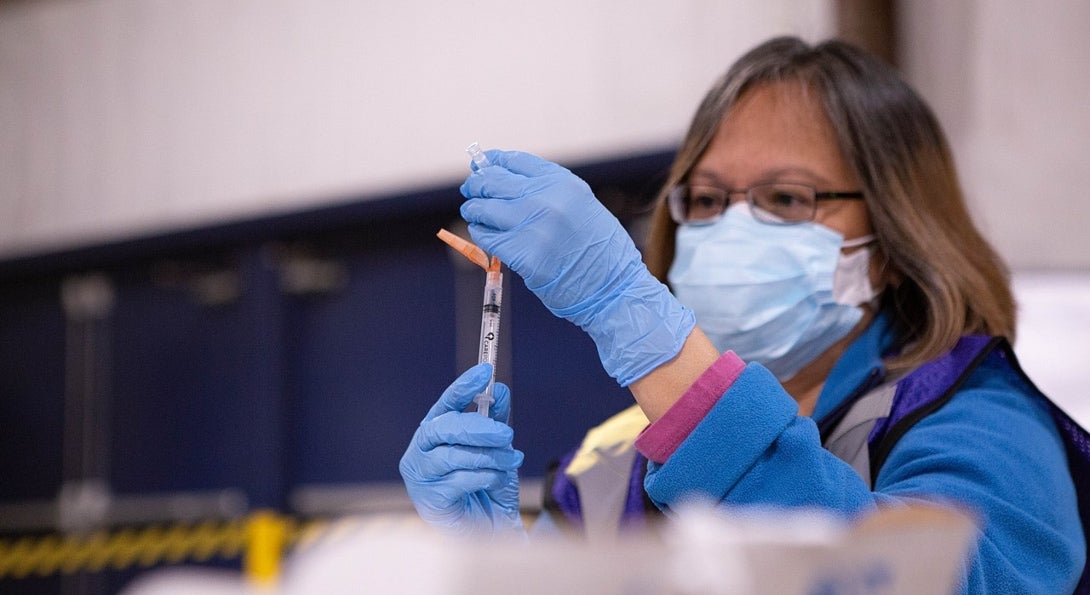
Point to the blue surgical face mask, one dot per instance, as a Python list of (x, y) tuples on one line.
[(767, 291)]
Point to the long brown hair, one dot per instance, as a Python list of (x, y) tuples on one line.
[(950, 280)]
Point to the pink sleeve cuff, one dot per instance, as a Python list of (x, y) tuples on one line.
[(660, 439)]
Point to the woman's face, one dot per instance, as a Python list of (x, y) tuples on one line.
[(779, 132)]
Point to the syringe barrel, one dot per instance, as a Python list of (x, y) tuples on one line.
[(490, 326), (490, 334)]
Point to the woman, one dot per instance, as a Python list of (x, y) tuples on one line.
[(814, 234)]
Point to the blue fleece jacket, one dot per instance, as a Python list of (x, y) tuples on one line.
[(993, 448)]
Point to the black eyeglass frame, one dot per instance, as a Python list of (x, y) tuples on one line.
[(674, 202)]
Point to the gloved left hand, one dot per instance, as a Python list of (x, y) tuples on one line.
[(460, 469), (545, 223)]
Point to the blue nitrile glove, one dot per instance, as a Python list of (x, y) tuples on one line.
[(460, 469), (545, 223)]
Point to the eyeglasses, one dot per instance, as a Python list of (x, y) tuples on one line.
[(775, 204)]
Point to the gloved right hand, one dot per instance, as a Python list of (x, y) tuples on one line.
[(545, 223), (460, 469)]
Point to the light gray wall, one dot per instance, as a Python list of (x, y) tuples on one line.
[(1010, 81), (122, 117)]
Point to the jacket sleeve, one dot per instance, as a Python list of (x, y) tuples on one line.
[(753, 448), (992, 448)]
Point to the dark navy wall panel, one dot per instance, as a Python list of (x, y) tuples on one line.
[(32, 337), (366, 361), (559, 389), (197, 387)]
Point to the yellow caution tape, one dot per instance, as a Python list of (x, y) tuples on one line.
[(260, 540)]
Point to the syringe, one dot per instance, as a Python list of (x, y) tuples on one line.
[(490, 311), (490, 330)]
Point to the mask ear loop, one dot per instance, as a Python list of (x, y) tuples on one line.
[(875, 292), (865, 240), (886, 276), (860, 241)]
